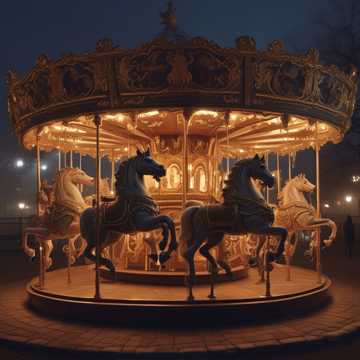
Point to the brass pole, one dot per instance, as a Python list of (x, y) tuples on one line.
[(227, 145), (80, 167), (289, 163), (71, 158), (97, 121), (267, 269), (59, 162), (185, 158), (113, 172), (278, 174), (318, 239), (38, 189), (267, 166)]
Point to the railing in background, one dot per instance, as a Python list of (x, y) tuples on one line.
[(10, 232)]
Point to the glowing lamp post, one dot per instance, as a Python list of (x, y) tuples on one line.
[(21, 205), (19, 163), (348, 199)]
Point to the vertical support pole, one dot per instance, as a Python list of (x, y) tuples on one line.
[(113, 172), (278, 174), (59, 162), (267, 188), (38, 189), (186, 119), (227, 118), (97, 121), (71, 158), (80, 167), (267, 269), (318, 239), (289, 163), (65, 153)]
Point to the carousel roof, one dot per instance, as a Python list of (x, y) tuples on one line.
[(258, 101)]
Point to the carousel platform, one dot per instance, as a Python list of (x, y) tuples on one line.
[(126, 302)]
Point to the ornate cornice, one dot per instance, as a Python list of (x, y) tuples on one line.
[(186, 73)]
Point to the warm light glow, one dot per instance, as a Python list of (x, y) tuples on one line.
[(116, 117), (355, 178), (148, 114), (21, 205), (68, 129), (348, 198), (19, 163), (126, 149), (326, 205), (207, 112), (44, 167)]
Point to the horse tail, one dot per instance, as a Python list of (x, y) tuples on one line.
[(187, 228)]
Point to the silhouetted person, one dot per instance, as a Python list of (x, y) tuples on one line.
[(348, 229)]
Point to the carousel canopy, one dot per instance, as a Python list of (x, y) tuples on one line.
[(257, 101)]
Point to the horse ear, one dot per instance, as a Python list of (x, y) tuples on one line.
[(147, 152), (262, 159), (138, 152), (256, 157)]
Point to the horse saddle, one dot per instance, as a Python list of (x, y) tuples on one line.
[(121, 212), (114, 213)]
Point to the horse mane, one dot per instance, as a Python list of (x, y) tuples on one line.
[(122, 172), (231, 181)]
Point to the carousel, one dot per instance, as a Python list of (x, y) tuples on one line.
[(189, 222)]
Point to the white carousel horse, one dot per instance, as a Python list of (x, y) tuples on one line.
[(296, 214), (63, 218)]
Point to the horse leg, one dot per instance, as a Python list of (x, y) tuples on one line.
[(47, 250), (146, 222), (280, 232), (165, 239), (288, 255), (213, 240), (260, 257)]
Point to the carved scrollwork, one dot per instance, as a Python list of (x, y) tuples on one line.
[(169, 145), (77, 79)]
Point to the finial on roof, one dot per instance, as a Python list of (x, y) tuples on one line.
[(168, 17)]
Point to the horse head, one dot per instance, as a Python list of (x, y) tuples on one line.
[(66, 191), (258, 171), (79, 176), (145, 165), (302, 183)]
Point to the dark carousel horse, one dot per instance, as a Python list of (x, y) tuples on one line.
[(133, 210), (244, 210)]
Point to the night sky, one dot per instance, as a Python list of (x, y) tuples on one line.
[(29, 28)]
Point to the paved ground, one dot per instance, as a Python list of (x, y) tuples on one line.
[(290, 338)]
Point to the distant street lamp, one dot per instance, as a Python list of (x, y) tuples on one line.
[(348, 198), (355, 179), (21, 205), (44, 167), (19, 163), (326, 205)]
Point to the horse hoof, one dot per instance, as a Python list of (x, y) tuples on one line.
[(164, 257), (154, 258)]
